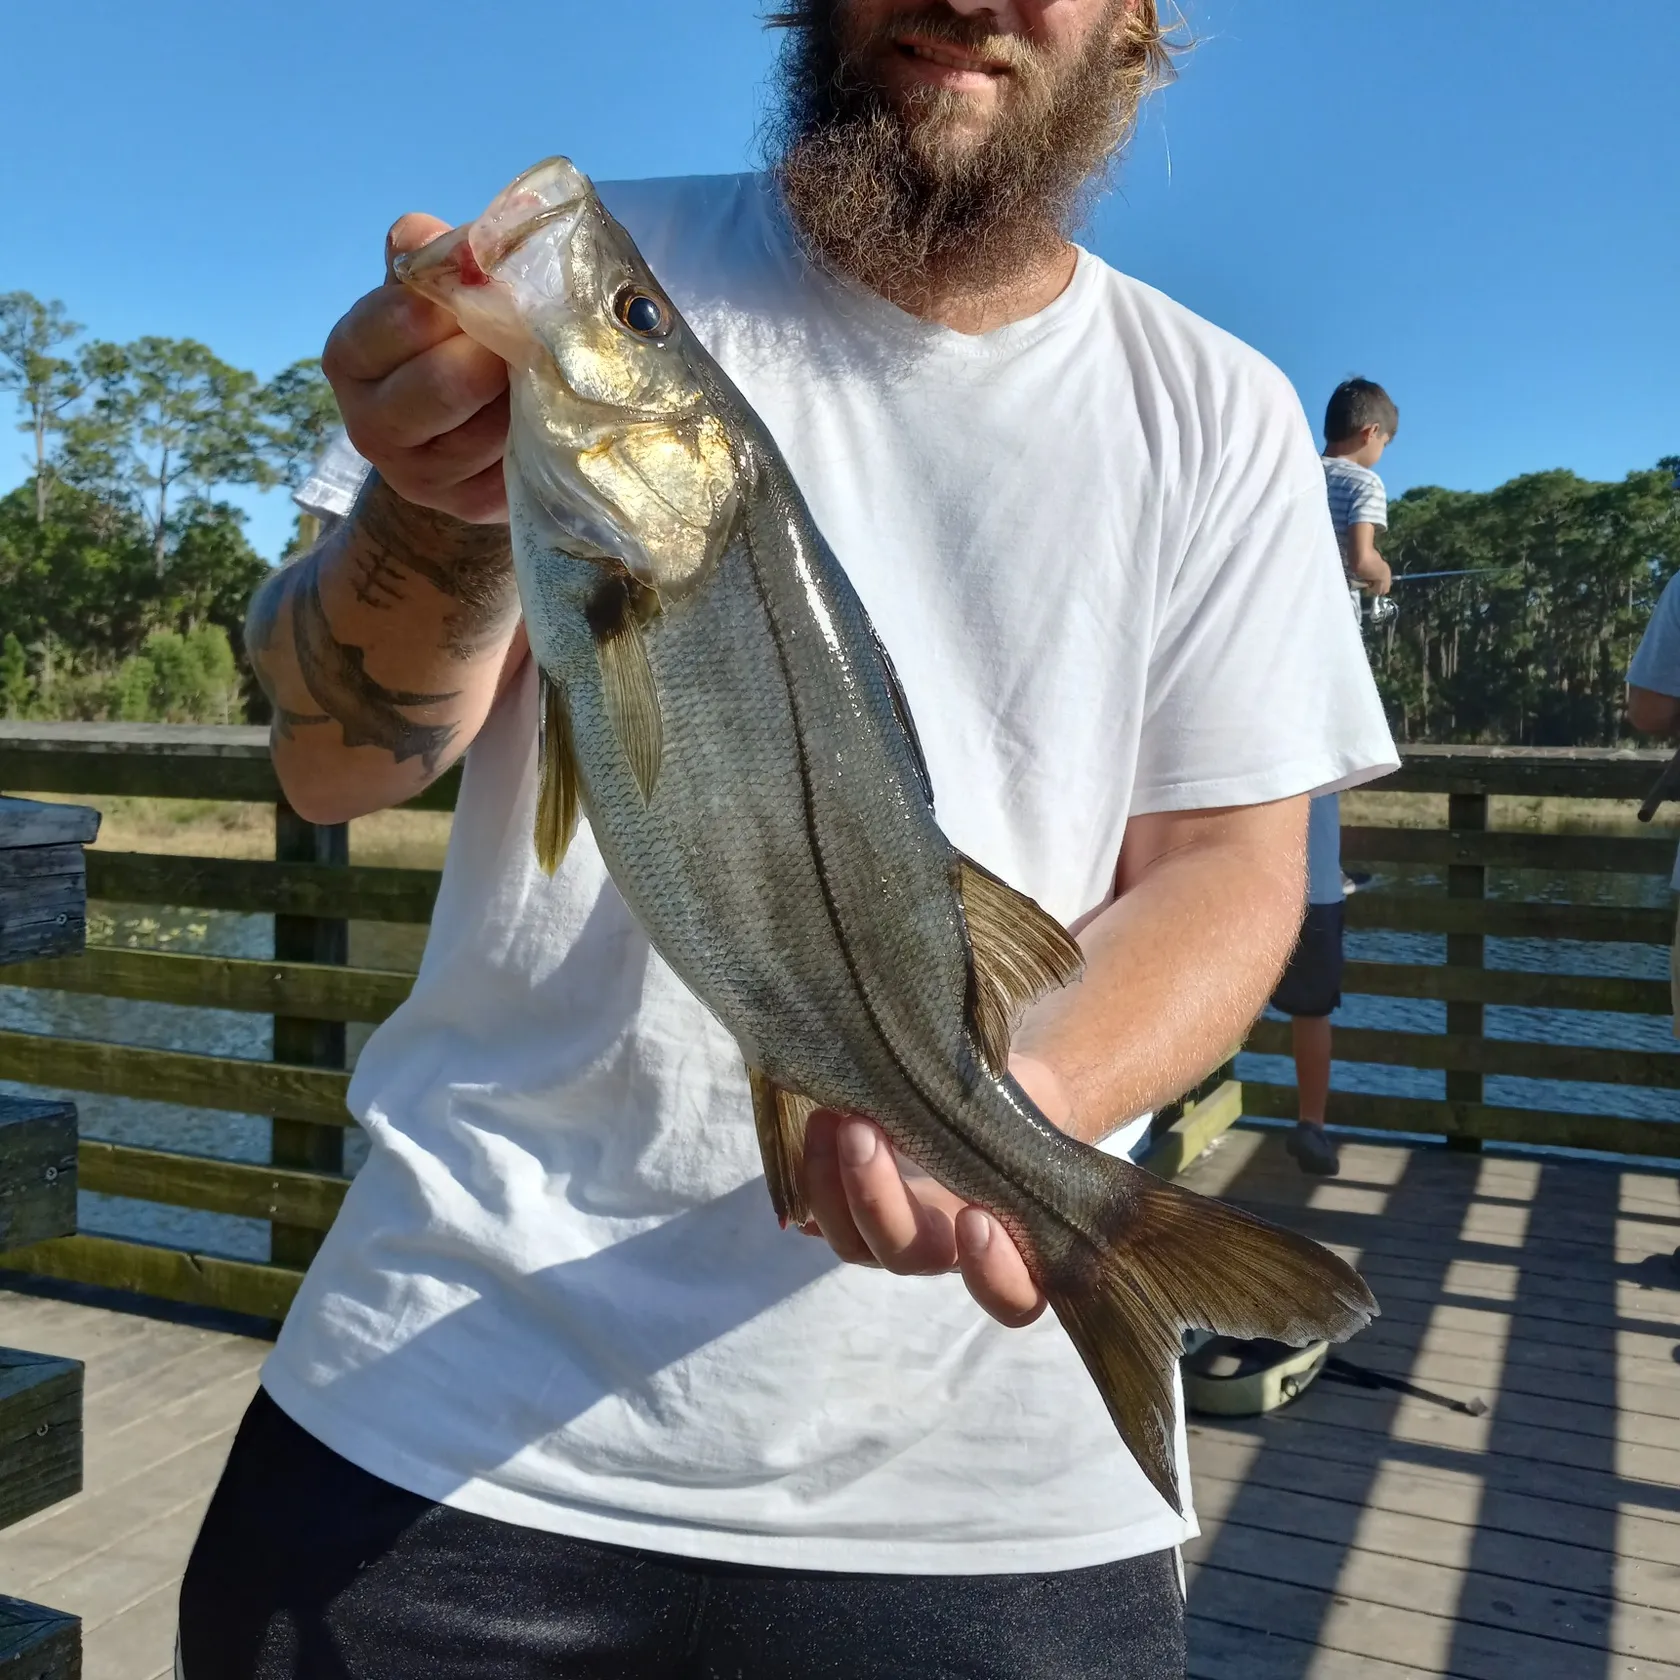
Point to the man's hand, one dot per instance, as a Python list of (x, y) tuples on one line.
[(1366, 565), (876, 1209), (424, 403)]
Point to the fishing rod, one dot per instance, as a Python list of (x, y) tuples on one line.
[(1467, 571), (1379, 610)]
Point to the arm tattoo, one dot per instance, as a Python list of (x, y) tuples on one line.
[(470, 564), (335, 674), (384, 544), (261, 624)]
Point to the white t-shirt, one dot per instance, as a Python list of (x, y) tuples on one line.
[(1096, 546), (1656, 664)]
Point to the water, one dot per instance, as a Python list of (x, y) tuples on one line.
[(246, 1137), (164, 1026), (1591, 1028)]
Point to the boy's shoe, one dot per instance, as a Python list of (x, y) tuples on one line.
[(1314, 1152)]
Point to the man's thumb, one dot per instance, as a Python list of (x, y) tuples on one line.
[(409, 233)]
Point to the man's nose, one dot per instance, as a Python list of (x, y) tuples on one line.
[(1004, 13)]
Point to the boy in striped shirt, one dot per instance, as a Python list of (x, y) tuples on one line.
[(1359, 425)]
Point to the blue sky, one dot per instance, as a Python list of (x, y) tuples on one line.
[(1476, 205)]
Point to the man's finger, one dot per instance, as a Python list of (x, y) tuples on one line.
[(409, 233), (825, 1192), (472, 446), (992, 1267), (886, 1215), (482, 499), (431, 394), (381, 331)]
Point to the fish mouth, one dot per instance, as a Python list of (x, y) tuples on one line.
[(553, 191), (549, 192)]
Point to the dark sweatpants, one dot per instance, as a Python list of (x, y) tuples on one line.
[(308, 1568)]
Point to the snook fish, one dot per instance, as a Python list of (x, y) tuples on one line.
[(716, 703)]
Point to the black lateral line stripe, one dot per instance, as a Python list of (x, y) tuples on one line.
[(833, 911)]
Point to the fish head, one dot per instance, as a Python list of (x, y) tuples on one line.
[(616, 452)]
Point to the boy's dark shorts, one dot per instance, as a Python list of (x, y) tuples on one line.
[(1312, 984)]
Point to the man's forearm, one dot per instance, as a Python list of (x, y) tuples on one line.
[(381, 651), (1178, 966)]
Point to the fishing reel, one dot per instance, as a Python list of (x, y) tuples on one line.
[(1379, 612)]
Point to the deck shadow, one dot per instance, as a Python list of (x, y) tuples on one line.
[(1315, 1513)]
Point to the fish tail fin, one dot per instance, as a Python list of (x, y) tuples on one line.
[(1178, 1261)]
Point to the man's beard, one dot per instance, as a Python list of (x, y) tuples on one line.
[(912, 202)]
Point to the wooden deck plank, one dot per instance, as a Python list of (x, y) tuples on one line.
[(1452, 1590), (1604, 1363), (1427, 1491), (1408, 1294), (1472, 1368), (1590, 1490), (131, 1568), (1497, 1435), (1222, 1652), (114, 1453), (1596, 1418), (1428, 1539), (1605, 1257), (164, 1400), (1436, 1644), (1359, 1535), (88, 1526), (137, 1645)]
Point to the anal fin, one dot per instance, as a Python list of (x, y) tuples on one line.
[(1017, 953), (780, 1116), (557, 775)]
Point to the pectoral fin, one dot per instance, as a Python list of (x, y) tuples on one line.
[(557, 775), (1017, 953), (627, 685), (780, 1117)]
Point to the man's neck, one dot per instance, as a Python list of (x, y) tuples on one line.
[(984, 309)]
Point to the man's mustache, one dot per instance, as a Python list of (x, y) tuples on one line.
[(939, 25)]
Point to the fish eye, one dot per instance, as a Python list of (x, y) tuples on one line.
[(642, 313)]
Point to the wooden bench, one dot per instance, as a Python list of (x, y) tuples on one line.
[(43, 913)]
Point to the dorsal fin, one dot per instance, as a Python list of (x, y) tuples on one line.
[(1016, 954), (901, 710)]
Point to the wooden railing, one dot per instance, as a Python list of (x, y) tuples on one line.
[(312, 992), (1461, 853)]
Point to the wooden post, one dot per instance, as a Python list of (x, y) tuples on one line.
[(38, 1644), (317, 939), (1467, 813), (43, 913), (37, 1171), (40, 1432)]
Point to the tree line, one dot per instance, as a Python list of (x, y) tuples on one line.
[(1551, 580), (124, 570)]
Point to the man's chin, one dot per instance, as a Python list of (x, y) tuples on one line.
[(949, 131)]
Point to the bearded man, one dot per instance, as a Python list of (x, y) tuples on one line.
[(557, 1396)]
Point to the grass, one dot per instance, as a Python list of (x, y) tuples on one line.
[(1509, 813), (216, 828), (418, 839)]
